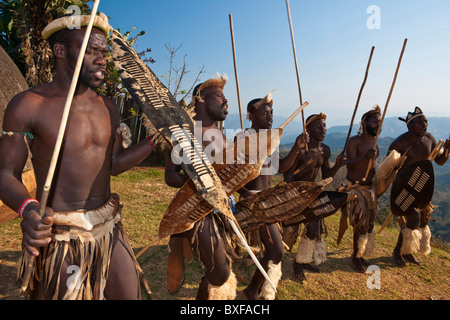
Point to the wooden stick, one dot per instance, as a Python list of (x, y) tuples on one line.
[(296, 65), (388, 219), (386, 106), (357, 100), (252, 255), (303, 166), (300, 109), (30, 259), (235, 71), (434, 153)]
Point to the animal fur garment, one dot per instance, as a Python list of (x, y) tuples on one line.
[(274, 273), (310, 250), (386, 171), (227, 291), (124, 131), (425, 247), (218, 81), (320, 251), (76, 21), (86, 238), (366, 244), (357, 208), (411, 241), (268, 99)]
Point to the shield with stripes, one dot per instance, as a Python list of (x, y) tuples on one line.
[(325, 205), (413, 188)]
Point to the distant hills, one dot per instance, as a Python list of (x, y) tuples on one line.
[(439, 127)]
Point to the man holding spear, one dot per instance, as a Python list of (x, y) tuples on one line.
[(208, 236), (361, 210), (80, 248), (260, 113), (312, 246), (362, 157)]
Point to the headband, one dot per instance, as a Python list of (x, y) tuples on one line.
[(218, 81), (412, 115), (375, 110), (266, 100), (76, 21), (315, 117)]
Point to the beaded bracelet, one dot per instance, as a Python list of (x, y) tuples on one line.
[(150, 140), (24, 205)]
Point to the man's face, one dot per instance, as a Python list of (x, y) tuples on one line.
[(372, 124), (262, 117), (94, 65), (318, 129), (215, 103), (418, 126)]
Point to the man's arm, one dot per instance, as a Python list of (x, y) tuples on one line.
[(327, 169), (125, 159), (172, 174), (354, 162), (287, 162), (443, 157), (14, 153)]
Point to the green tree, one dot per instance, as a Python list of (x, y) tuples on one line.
[(21, 24)]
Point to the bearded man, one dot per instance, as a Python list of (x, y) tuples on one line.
[(362, 210)]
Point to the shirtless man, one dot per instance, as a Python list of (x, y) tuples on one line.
[(311, 241), (260, 113), (416, 233), (206, 236), (91, 152), (362, 210)]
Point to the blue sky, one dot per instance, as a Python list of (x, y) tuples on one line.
[(333, 44)]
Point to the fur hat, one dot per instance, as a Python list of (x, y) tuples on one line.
[(254, 104), (218, 81), (412, 115), (76, 21), (315, 117)]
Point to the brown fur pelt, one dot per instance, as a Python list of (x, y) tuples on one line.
[(227, 291)]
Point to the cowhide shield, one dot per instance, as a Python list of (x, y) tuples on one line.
[(325, 205), (242, 162), (413, 188), (172, 121), (277, 204)]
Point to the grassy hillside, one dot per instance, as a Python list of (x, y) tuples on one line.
[(145, 198)]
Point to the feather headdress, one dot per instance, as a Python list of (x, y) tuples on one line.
[(218, 81), (256, 103)]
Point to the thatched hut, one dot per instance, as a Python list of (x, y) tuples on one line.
[(12, 82)]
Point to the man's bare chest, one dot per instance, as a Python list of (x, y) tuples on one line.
[(87, 126)]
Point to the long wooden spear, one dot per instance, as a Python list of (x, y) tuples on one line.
[(235, 71), (386, 106), (30, 259), (296, 66), (357, 101)]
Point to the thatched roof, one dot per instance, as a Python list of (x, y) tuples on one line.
[(12, 81)]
